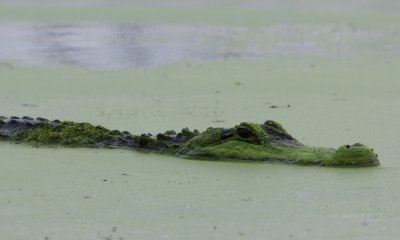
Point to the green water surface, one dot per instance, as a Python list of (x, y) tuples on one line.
[(334, 99)]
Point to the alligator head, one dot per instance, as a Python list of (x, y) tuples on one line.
[(270, 142)]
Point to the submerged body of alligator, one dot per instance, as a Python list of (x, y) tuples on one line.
[(247, 141)]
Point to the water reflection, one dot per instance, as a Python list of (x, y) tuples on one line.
[(119, 46)]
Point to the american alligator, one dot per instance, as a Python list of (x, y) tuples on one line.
[(247, 141)]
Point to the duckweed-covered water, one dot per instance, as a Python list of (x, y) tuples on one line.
[(328, 72)]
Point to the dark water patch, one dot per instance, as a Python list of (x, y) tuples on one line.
[(109, 46), (125, 46)]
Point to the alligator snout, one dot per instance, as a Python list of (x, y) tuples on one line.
[(356, 154)]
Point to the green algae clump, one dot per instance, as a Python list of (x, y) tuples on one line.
[(209, 137), (276, 129), (277, 126), (2, 136), (66, 133)]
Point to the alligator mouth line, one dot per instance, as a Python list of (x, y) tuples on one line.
[(246, 141)]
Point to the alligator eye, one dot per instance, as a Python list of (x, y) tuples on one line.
[(227, 133), (251, 132), (245, 133)]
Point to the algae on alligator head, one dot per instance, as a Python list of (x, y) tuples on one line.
[(247, 141), (271, 142)]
